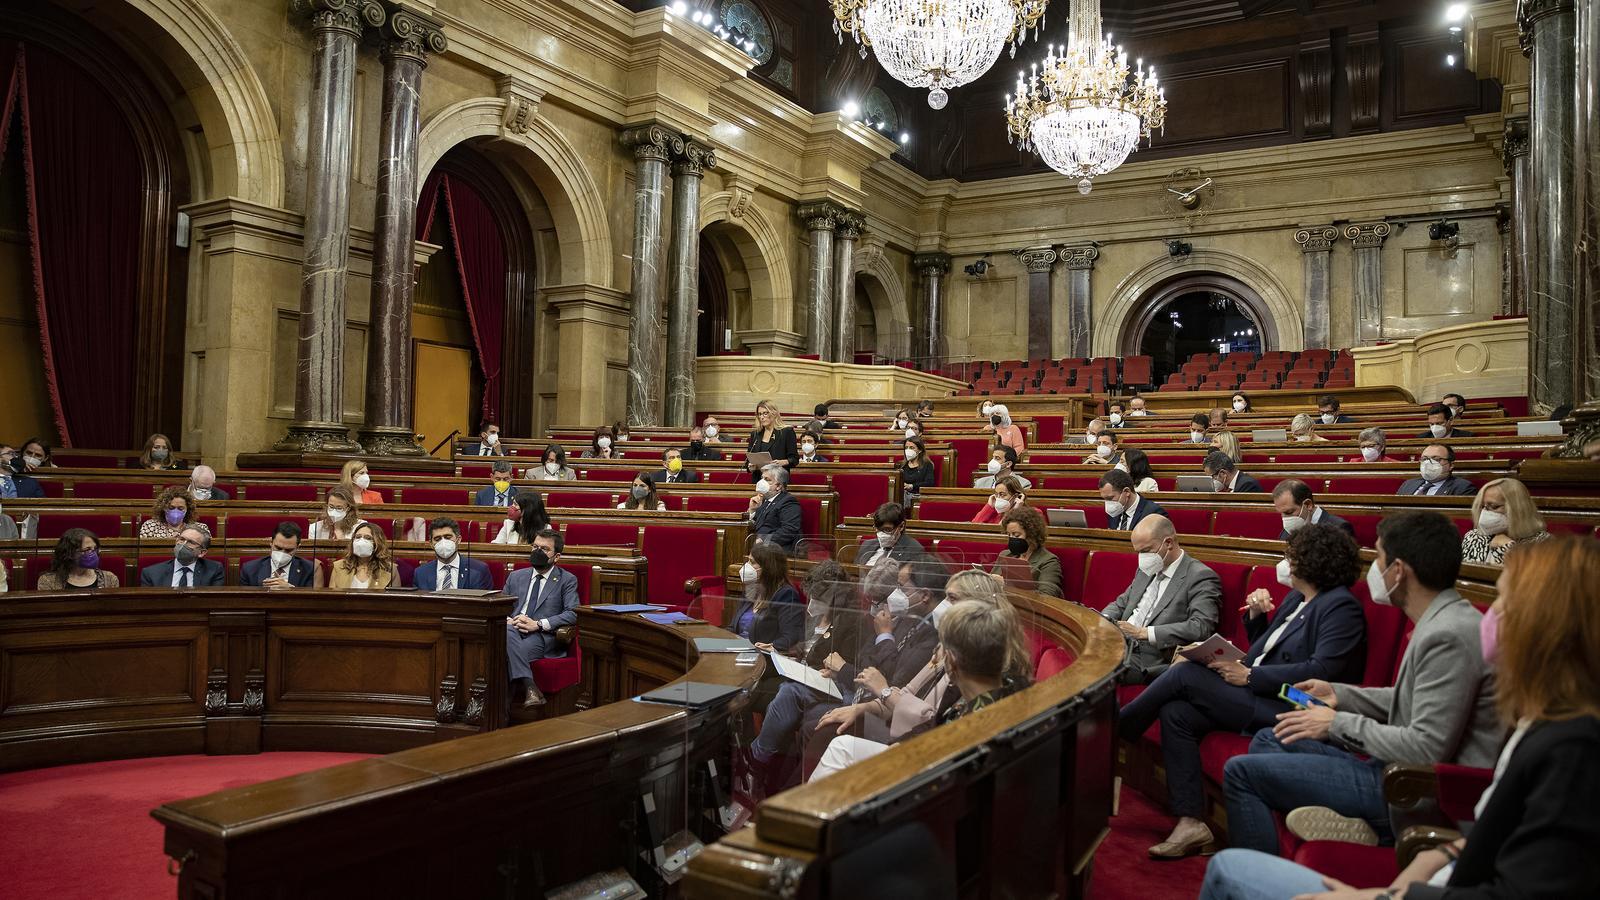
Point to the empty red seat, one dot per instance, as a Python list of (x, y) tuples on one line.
[(1106, 575), (1190, 519), (240, 526), (966, 553), (294, 493), (677, 554), (437, 496), (53, 525), (860, 493), (114, 490), (602, 534), (947, 510), (1247, 523), (578, 500), (1364, 484), (708, 503)]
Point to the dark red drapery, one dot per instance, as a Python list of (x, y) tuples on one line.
[(480, 254)]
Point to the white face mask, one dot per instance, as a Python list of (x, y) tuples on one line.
[(1103, 451), (886, 539), (988, 409), (911, 453), (995, 466), (1492, 523), (1001, 505), (1283, 573), (763, 486), (711, 430), (1089, 437), (900, 423), (748, 573), (445, 549), (938, 611), (1218, 484), (1327, 418), (492, 439), (1120, 466), (1238, 406), (1371, 454), (335, 514), (361, 547), (622, 437), (1454, 410), (34, 462), (1150, 563), (911, 432), (1438, 430), (1431, 470), (808, 448), (363, 481), (552, 467), (815, 608), (281, 559), (898, 601), (1376, 587), (1196, 436), (1115, 508), (201, 493), (1294, 523), (1116, 418), (1136, 412), (603, 443)]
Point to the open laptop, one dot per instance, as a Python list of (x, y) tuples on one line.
[(1068, 518), (1269, 435), (1193, 483), (1538, 429)]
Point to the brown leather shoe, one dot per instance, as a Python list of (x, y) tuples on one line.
[(1203, 843), (535, 697)]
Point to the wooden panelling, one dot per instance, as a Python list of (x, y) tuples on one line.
[(1251, 99), (1422, 89)]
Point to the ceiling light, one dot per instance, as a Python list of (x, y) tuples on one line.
[(1455, 12), (680, 7), (905, 138), (850, 109), (1450, 59)]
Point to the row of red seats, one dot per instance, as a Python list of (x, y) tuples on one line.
[(1307, 369)]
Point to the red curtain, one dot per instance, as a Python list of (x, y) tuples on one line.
[(84, 188), (480, 254)]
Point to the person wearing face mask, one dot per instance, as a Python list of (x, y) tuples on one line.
[(891, 541), (75, 564), (281, 569), (1328, 411), (642, 495), (14, 482), (1534, 827), (188, 567), (1006, 433), (1007, 495), (552, 467), (1002, 464), (1172, 601), (1136, 407), (1294, 501), (902, 418), (174, 511), (1125, 509), (501, 492), (620, 429), (913, 429), (1456, 403), (1324, 765), (1137, 465), (546, 601), (672, 470), (1503, 516), (1217, 417), (1226, 477), (808, 448), (1116, 414), (339, 518), (488, 442), (1093, 430), (1437, 478), (1441, 424), (819, 420), (355, 478), (449, 570), (157, 453), (524, 520), (366, 564), (831, 608), (1373, 444), (1198, 423), (601, 445), (1105, 448), (1303, 428), (1317, 632), (711, 430), (1025, 536), (203, 485), (774, 513), (918, 472), (1241, 403), (699, 449)]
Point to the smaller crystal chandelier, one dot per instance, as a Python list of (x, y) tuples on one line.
[(936, 43), (1084, 111)]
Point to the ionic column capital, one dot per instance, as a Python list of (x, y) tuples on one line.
[(652, 142), (1369, 234), (1039, 259), (1517, 141), (1079, 256), (1316, 240), (408, 34), (931, 265), (694, 159), (349, 17), (850, 225), (821, 215)]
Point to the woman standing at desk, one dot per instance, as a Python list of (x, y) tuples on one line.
[(773, 438)]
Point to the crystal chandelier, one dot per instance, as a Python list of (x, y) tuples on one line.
[(1083, 111), (936, 43)]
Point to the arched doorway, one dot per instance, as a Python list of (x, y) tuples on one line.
[(1197, 313), (711, 313), (724, 302), (864, 343)]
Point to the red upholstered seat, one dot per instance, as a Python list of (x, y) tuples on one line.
[(1074, 560), (970, 553), (114, 490), (578, 500), (439, 496), (1190, 519), (1364, 484), (677, 553), (239, 526), (1217, 748), (1386, 631), (1460, 787), (1071, 482), (707, 503), (296, 493), (862, 492), (1247, 523), (53, 525), (1107, 575), (407, 568), (1366, 526), (477, 472), (726, 476), (601, 534), (1569, 527), (947, 510), (1233, 576), (1053, 661), (1354, 864)]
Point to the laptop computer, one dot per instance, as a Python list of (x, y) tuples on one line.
[(1196, 483), (1269, 435), (1068, 518), (1538, 429)]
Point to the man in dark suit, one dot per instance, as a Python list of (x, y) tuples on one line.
[(809, 440), (502, 493), (203, 485), (1328, 406), (1124, 507), (488, 442), (1117, 415), (13, 484), (449, 570), (699, 451), (1172, 601), (891, 541), (774, 512), (1228, 478), (188, 566), (282, 569), (546, 599), (1293, 500), (1441, 424), (1438, 462), (672, 470)]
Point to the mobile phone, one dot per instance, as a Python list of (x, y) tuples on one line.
[(1298, 698)]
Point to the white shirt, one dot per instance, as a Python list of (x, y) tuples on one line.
[(535, 591), (1151, 601), (449, 573), (1283, 627), (1127, 513), (177, 574), (507, 533)]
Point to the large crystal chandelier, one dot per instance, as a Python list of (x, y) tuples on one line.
[(1083, 111), (936, 43)]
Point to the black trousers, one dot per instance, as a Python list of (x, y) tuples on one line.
[(1192, 701)]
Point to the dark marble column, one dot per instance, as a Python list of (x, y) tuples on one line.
[(845, 236), (408, 38), (336, 26), (1524, 213), (652, 147), (683, 292), (1550, 35), (1316, 253), (1039, 262), (1079, 260), (1586, 152), (820, 219), (1367, 285), (932, 267)]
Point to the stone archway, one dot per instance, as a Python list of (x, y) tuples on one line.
[(1159, 297), (745, 237), (885, 292), (1134, 301)]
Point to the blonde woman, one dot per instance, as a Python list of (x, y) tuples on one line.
[(772, 437), (339, 518), (366, 564), (1503, 516), (157, 453), (1304, 428), (355, 479), (1227, 442)]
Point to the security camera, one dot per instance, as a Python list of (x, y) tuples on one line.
[(1446, 231), (1179, 248), (976, 269)]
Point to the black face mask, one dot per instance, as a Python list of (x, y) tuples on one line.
[(539, 558), (1017, 546), (696, 445), (995, 419)]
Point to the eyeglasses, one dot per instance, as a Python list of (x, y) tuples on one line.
[(188, 543), (1437, 459)]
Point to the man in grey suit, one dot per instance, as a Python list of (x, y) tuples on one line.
[(1438, 462), (546, 600), (1172, 601), (1324, 764)]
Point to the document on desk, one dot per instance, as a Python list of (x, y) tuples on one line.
[(1211, 649), (794, 670)]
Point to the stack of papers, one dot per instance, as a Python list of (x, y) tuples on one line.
[(626, 607), (1211, 649), (795, 670)]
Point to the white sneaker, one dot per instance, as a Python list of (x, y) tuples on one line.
[(1319, 823)]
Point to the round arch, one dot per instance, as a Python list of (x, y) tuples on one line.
[(760, 250), (886, 293), (555, 168), (1136, 298)]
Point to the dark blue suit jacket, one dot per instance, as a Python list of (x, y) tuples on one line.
[(485, 496), (26, 487), (782, 624), (474, 575), (1327, 641), (1328, 518), (1146, 507), (207, 573), (558, 603), (778, 520), (302, 573)]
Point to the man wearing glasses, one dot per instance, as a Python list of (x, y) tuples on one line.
[(1437, 481), (188, 567)]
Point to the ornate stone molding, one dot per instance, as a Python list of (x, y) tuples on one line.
[(1529, 12), (652, 141), (931, 265), (820, 216), (850, 225), (1370, 234), (1316, 240), (1039, 259), (694, 158), (522, 103), (1517, 142), (411, 35), (740, 192), (317, 437), (1079, 256), (348, 16)]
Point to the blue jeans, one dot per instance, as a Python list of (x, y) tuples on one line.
[(1248, 875), (781, 722), (1283, 777)]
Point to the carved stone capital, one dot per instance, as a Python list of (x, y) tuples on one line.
[(694, 159), (348, 16), (411, 35), (1079, 256), (1532, 11), (1517, 142), (850, 225), (1370, 234), (740, 192), (931, 265), (1039, 259), (652, 142), (522, 103), (1316, 240), (822, 215)]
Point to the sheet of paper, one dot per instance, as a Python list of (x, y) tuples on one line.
[(795, 670), (626, 607), (1212, 648)]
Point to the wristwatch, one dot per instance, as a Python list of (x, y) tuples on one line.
[(885, 693)]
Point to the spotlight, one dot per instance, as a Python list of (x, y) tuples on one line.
[(850, 109), (976, 269), (1455, 12), (1176, 248), (1450, 60), (905, 138), (680, 7)]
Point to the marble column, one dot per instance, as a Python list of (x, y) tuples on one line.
[(1551, 38), (1079, 260), (408, 38), (336, 27), (1524, 213), (1316, 257), (932, 267), (820, 219), (1367, 285), (652, 147), (1039, 262), (683, 292), (845, 235), (1586, 152)]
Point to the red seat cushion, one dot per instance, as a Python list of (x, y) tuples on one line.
[(677, 553), (437, 496), (1364, 484), (947, 510), (1354, 864), (560, 673), (114, 490), (1386, 627), (1190, 519), (710, 503), (1234, 577), (259, 526), (1107, 574), (54, 525), (860, 493), (1054, 660), (1247, 523), (296, 493), (1460, 787), (578, 500), (1073, 562), (969, 553), (601, 534), (1217, 748)]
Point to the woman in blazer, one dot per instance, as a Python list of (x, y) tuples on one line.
[(773, 437), (1025, 533), (770, 615), (1538, 823), (367, 565), (1318, 632)]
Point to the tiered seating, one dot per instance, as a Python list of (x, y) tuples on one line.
[(1303, 370), (1068, 375)]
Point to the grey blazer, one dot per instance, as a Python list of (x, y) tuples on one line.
[(1441, 708), (1188, 611)]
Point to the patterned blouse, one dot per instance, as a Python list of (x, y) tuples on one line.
[(1008, 686), (1475, 547)]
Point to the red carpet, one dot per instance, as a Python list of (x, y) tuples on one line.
[(1124, 871), (85, 831)]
